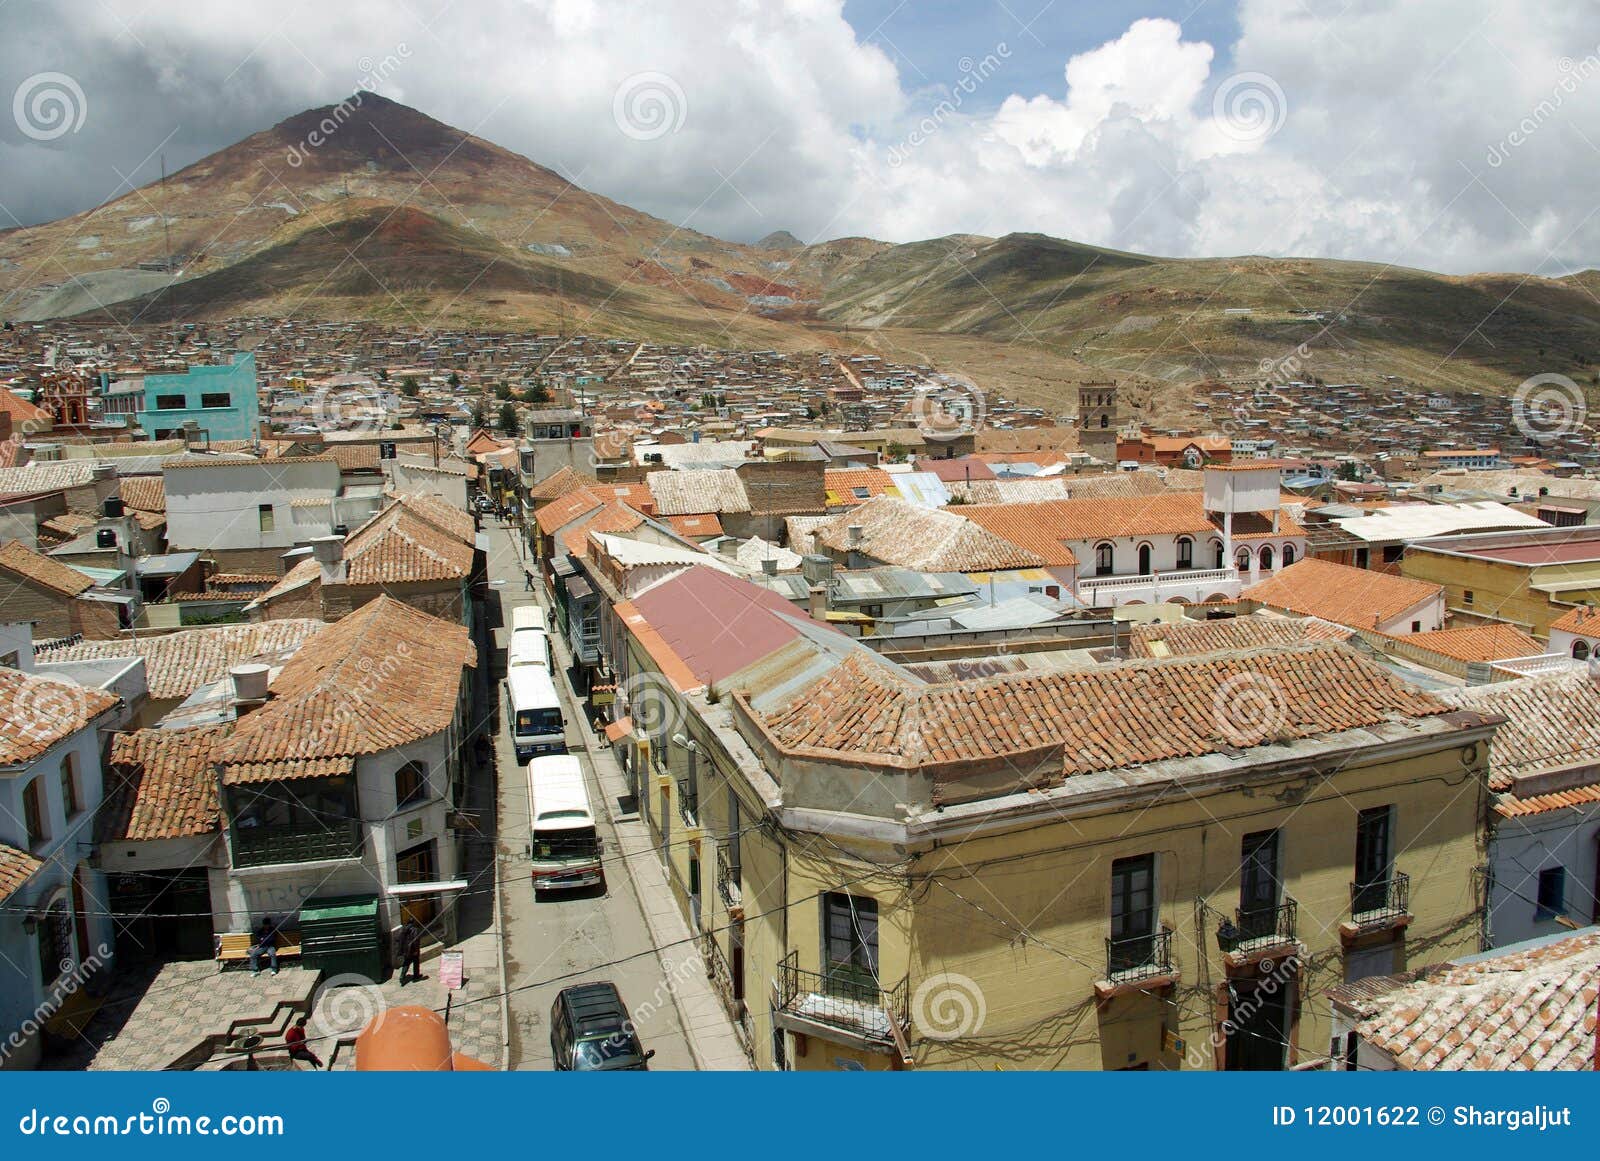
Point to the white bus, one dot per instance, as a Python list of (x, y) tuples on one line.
[(563, 846), (533, 710), (530, 647), (528, 617)]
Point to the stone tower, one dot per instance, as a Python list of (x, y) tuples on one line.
[(1097, 419)]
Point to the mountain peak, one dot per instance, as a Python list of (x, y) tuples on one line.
[(780, 240)]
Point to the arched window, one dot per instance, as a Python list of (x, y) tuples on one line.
[(1266, 557), (1242, 559), (1185, 552), (1105, 421), (1104, 558), (1144, 560), (1580, 650), (1216, 549), (1288, 555), (410, 784)]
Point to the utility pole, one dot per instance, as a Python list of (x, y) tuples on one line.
[(166, 229)]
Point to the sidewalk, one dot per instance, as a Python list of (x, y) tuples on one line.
[(712, 1041)]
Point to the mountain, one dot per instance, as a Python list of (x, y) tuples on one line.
[(373, 209)]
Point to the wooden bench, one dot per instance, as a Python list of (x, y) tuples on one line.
[(234, 947)]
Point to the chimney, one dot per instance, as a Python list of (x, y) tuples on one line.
[(104, 478), (769, 567), (1479, 673), (817, 602), (857, 534), (249, 687), (329, 554)]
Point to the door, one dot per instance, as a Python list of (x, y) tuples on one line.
[(418, 865), (1144, 560), (1258, 1027), (1374, 866), (850, 950)]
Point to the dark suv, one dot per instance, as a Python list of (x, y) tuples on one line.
[(590, 1031)]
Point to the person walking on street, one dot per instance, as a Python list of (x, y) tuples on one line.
[(527, 585), (410, 951), (295, 1040)]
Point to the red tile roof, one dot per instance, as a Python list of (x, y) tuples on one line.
[(382, 677), (16, 868), (1543, 757), (1492, 642), (165, 785), (1583, 620), (176, 664), (1357, 597), (21, 561), (38, 712), (932, 540), (1096, 719), (1188, 638)]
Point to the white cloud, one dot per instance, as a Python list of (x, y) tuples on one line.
[(1386, 117)]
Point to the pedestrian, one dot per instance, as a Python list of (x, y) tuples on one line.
[(527, 583), (295, 1041), (264, 943), (411, 950)]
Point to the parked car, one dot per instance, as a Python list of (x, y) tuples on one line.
[(591, 1031)]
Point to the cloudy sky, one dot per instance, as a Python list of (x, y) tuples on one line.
[(1457, 135)]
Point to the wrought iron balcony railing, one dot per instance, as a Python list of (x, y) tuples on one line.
[(1139, 957), (842, 996), (728, 875), (1259, 926), (1381, 901)]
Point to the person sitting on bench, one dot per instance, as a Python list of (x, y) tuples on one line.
[(265, 943)]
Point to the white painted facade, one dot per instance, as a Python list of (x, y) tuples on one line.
[(243, 504)]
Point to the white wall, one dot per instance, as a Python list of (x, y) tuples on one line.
[(1522, 847), (218, 507)]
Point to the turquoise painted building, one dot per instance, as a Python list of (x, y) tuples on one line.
[(220, 398)]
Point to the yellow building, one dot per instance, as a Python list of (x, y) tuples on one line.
[(1528, 579), (1155, 864)]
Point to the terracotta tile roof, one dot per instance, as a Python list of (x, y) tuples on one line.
[(1021, 525), (38, 712), (165, 785), (558, 484), (47, 477), (16, 868), (1513, 1012), (356, 457), (563, 510), (67, 526), (143, 493), (384, 676), (399, 545), (1111, 517), (930, 540), (611, 518), (1337, 592), (21, 561), (636, 496), (1491, 642), (955, 469), (1095, 719), (20, 410), (698, 491), (1582, 620), (843, 483), (1544, 756), (177, 664), (692, 526), (1188, 638), (439, 512)]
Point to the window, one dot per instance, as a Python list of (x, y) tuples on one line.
[(1133, 911), (1363, 558), (1374, 858), (1416, 626), (689, 791), (1217, 554), (850, 944), (1259, 885), (1288, 555), (410, 784), (33, 814), (735, 855), (10, 660), (55, 943), (1266, 558), (1393, 552), (1144, 560), (860, 493), (1104, 558), (1466, 596), (71, 788), (1552, 893), (171, 403), (1185, 552), (1241, 560), (264, 516), (216, 400), (1580, 650)]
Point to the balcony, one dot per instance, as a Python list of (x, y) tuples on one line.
[(1382, 903), (844, 1004), (1140, 957), (262, 846), (1190, 584), (1257, 928), (728, 876)]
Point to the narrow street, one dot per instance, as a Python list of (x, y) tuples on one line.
[(565, 939)]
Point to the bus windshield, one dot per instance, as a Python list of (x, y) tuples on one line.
[(538, 721), (578, 843)]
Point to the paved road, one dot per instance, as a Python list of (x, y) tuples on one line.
[(568, 938)]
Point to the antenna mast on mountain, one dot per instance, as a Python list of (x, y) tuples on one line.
[(166, 228), (561, 306)]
